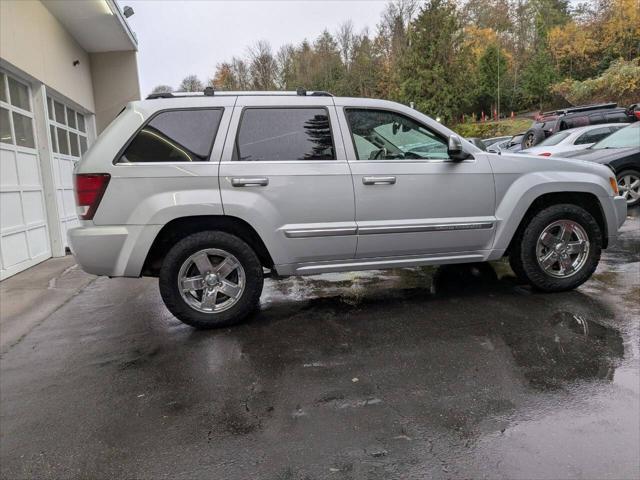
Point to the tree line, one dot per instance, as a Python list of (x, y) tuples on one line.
[(452, 58)]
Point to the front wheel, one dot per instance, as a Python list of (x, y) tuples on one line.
[(629, 186), (559, 249), (211, 279)]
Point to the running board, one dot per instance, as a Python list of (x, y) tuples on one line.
[(377, 264)]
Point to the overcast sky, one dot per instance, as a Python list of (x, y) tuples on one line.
[(177, 38)]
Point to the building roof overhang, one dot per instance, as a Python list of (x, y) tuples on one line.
[(97, 25)]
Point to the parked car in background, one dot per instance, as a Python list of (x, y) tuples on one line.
[(573, 139), (491, 141), (635, 110), (513, 144), (558, 120), (478, 143), (621, 151)]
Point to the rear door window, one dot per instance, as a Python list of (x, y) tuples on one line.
[(276, 134), (593, 136), (175, 136)]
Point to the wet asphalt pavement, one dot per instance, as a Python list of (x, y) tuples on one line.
[(450, 372)]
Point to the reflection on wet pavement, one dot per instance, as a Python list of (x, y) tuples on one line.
[(449, 372)]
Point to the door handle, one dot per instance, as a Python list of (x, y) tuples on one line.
[(250, 182), (379, 180)]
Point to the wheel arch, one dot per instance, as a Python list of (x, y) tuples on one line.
[(586, 200), (181, 227)]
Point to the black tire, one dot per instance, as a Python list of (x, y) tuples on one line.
[(523, 259), (627, 173), (532, 137), (181, 251)]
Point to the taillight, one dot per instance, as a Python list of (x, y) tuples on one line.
[(89, 190), (545, 154)]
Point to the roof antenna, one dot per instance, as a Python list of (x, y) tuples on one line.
[(209, 92), (301, 92)]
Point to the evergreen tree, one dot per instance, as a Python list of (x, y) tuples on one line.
[(434, 65)]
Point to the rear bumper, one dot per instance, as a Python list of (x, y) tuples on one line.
[(115, 251)]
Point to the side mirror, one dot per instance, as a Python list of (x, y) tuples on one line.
[(454, 149)]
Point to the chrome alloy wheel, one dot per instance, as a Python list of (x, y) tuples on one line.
[(529, 140), (629, 186), (562, 248), (211, 280)]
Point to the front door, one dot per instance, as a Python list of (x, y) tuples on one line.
[(411, 198), (284, 171)]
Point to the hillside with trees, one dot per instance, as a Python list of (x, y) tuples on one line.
[(458, 59)]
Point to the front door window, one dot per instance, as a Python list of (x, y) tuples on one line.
[(385, 135)]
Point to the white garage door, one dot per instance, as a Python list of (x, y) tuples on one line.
[(68, 142), (24, 236)]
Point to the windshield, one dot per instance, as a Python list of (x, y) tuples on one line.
[(624, 138), (554, 139)]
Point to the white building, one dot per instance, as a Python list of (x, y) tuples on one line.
[(67, 68)]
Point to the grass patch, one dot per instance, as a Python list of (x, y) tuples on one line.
[(493, 129)]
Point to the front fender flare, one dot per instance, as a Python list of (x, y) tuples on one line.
[(521, 194)]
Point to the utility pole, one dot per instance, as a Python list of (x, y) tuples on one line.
[(498, 103)]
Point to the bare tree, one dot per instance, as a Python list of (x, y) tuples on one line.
[(191, 83), (240, 71), (345, 39), (284, 66), (263, 66)]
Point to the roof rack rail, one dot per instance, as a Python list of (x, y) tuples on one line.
[(210, 92), (582, 108)]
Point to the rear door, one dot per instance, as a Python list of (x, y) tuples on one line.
[(284, 171)]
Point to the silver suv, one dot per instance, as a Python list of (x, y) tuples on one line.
[(209, 192)]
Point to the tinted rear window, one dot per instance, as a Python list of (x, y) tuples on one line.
[(175, 136), (284, 134)]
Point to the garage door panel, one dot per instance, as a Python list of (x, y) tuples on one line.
[(24, 234), (15, 249), (67, 173), (34, 212), (11, 211), (28, 170), (69, 204), (70, 133), (8, 169), (38, 241)]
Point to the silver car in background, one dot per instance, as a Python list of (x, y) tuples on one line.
[(574, 139)]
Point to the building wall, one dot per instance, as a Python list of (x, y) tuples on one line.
[(115, 83), (33, 40)]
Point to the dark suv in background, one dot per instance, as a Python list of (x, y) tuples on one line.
[(552, 122)]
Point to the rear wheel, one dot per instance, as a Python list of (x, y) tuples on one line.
[(629, 186), (559, 249), (211, 279)]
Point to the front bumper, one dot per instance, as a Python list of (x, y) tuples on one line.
[(115, 251), (615, 211), (620, 206)]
